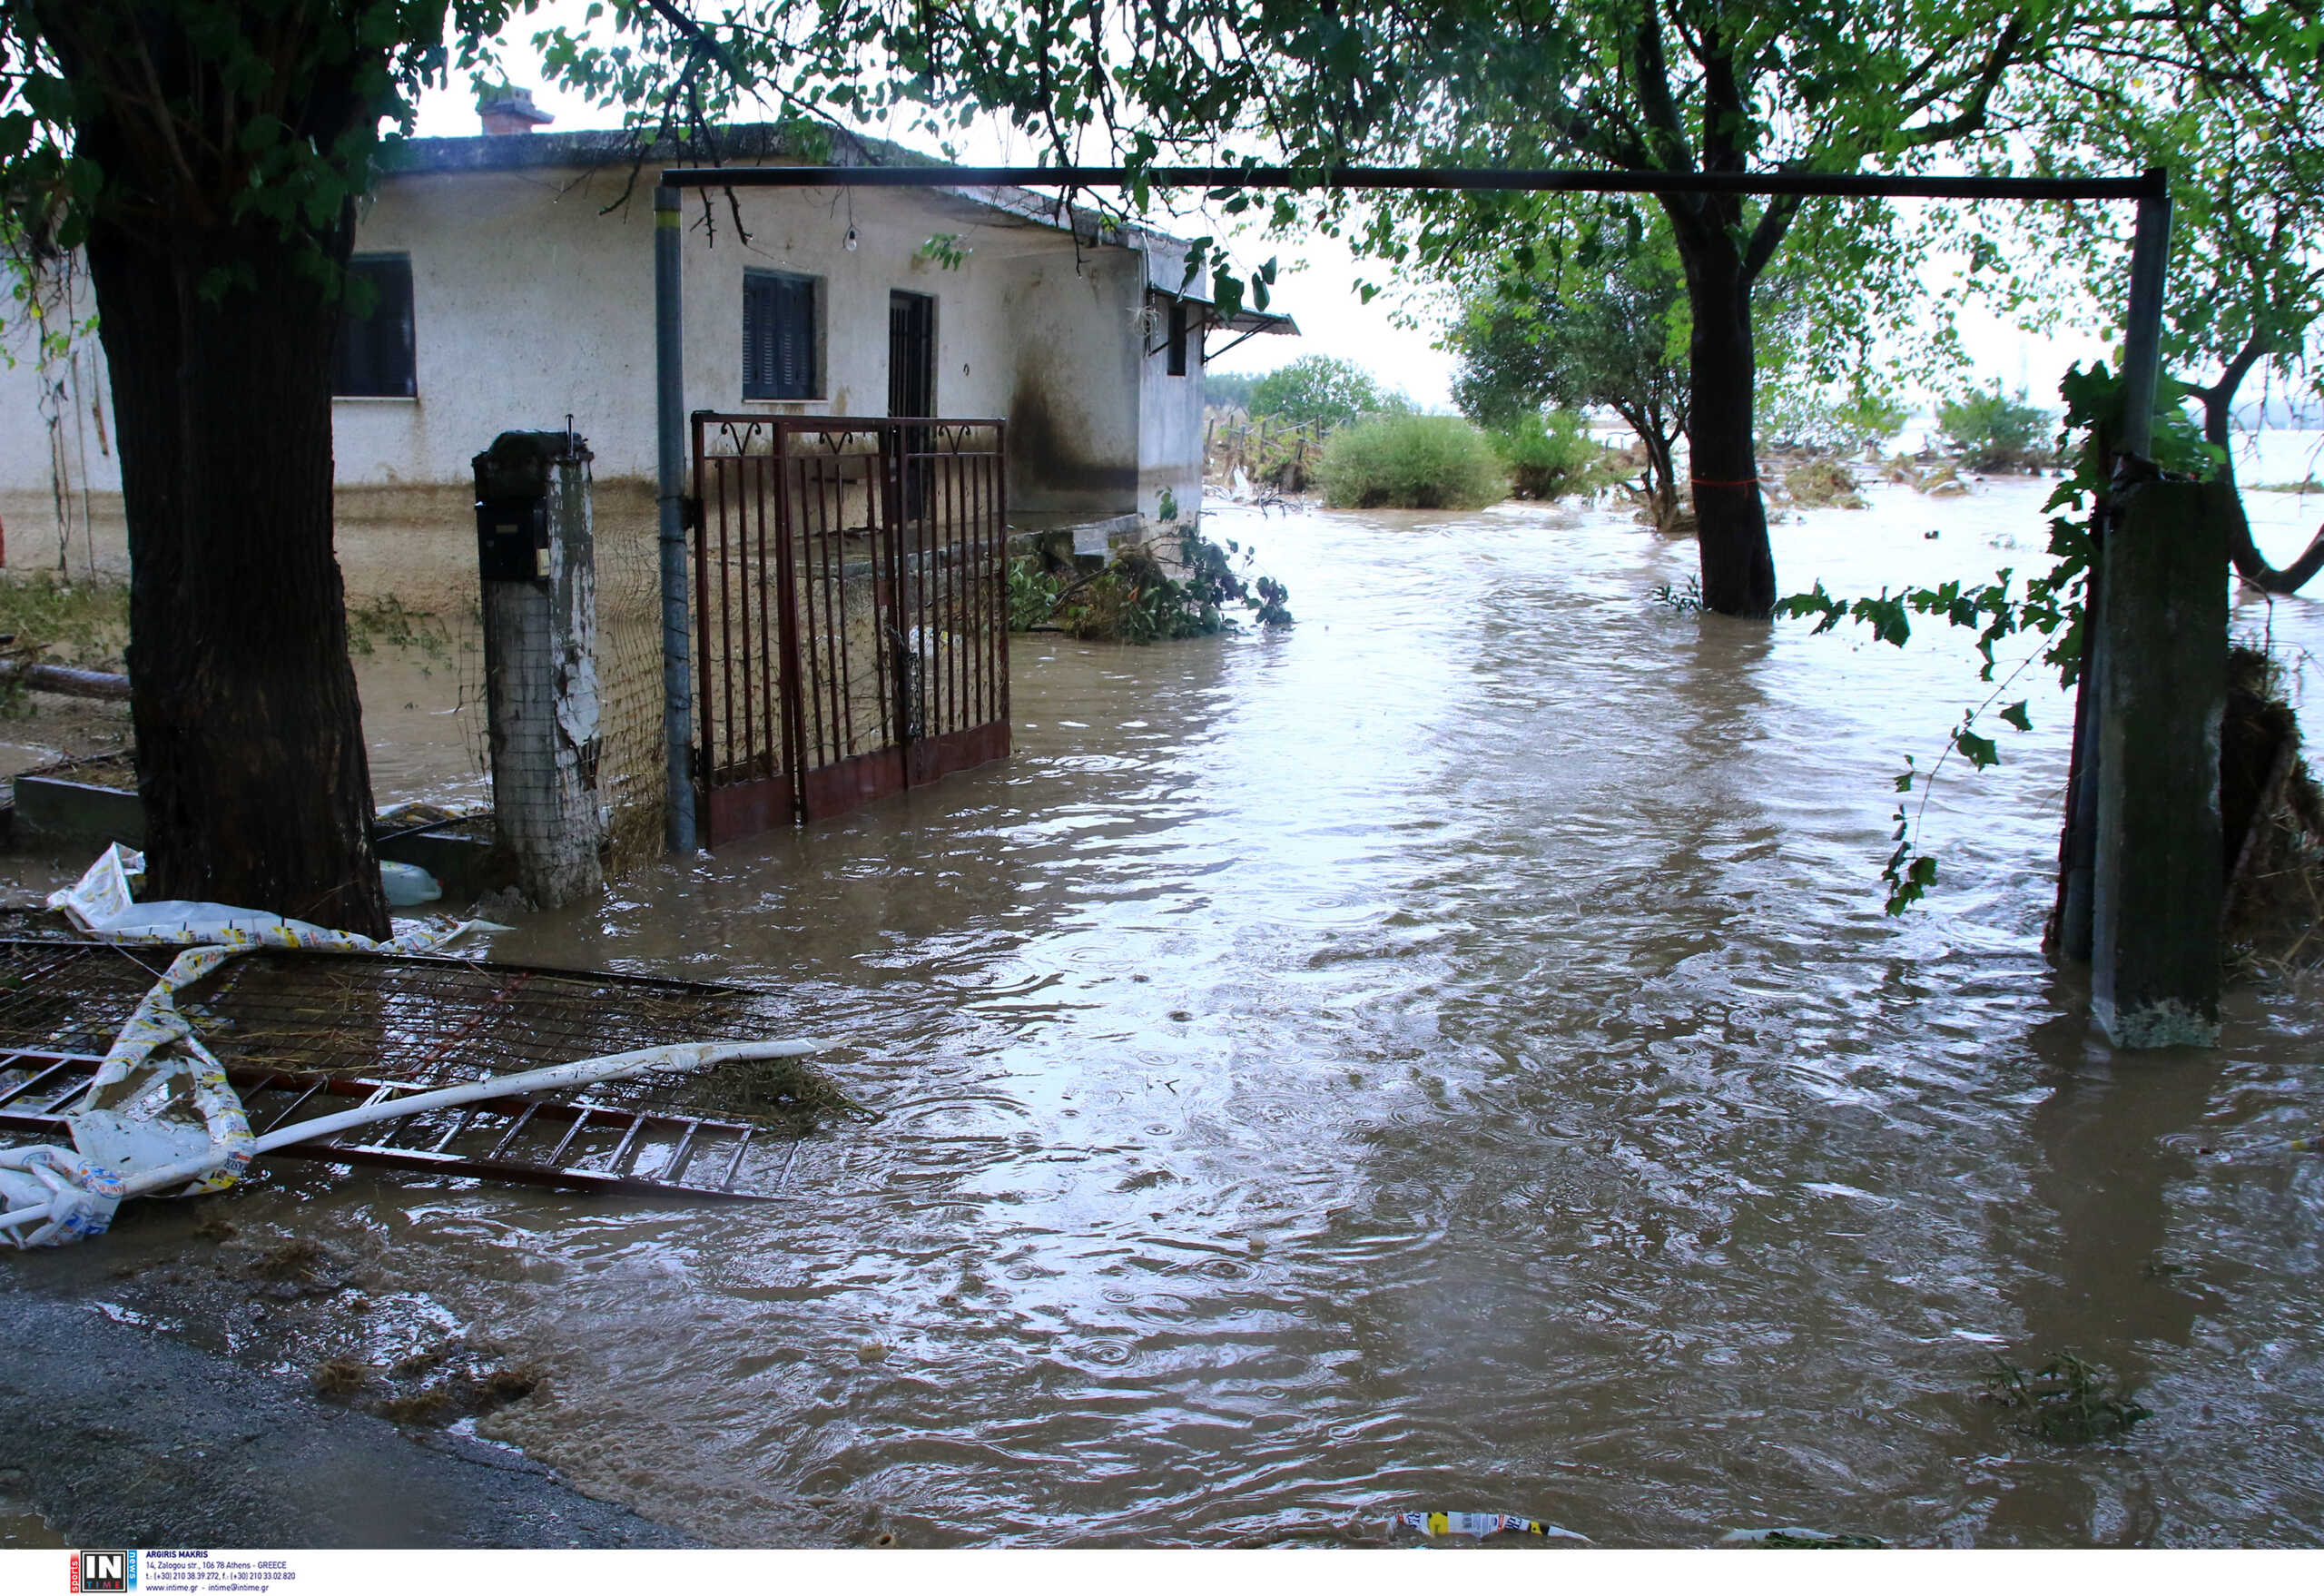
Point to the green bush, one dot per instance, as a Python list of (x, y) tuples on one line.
[(1548, 456), (1992, 433), (1411, 462)]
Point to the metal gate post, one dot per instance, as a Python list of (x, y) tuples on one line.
[(669, 422), (2143, 329), (2142, 373)]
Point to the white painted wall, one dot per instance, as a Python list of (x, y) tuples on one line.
[(532, 301), (1170, 432), (73, 392)]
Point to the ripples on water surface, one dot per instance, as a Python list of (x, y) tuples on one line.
[(1449, 1055)]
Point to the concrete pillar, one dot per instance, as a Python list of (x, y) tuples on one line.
[(537, 557), (2158, 873)]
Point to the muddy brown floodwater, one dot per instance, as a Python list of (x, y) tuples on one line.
[(1449, 1055)]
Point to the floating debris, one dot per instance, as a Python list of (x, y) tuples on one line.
[(785, 1089), (2066, 1400), (341, 1376), (1478, 1525), (1799, 1538), (157, 1075)]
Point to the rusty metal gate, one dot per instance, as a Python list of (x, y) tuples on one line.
[(851, 611)]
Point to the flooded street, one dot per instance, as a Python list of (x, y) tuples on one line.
[(1450, 1054)]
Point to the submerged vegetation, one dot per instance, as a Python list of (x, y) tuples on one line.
[(1822, 484), (385, 619), (1862, 418), (1553, 456), (2065, 1401), (1139, 596), (1994, 433), (1413, 462)]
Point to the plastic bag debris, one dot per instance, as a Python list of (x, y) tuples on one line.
[(103, 904), (1478, 1524), (72, 1199), (408, 886)]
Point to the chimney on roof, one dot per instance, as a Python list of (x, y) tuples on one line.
[(511, 110)]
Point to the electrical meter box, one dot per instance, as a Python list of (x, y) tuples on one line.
[(512, 539)]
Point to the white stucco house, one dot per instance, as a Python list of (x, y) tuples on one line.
[(515, 277)]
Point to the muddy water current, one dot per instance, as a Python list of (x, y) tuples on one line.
[(1449, 1055)]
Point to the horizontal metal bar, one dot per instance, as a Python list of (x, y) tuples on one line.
[(16, 1120), (442, 961), (434, 1163), (22, 1086), (2150, 184)]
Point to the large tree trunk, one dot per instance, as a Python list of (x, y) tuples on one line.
[(249, 744), (1738, 565)]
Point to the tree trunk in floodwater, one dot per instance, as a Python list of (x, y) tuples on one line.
[(250, 742), (1739, 567), (2219, 406), (1663, 484), (1654, 432)]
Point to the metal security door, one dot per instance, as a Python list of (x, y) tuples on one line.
[(844, 649)]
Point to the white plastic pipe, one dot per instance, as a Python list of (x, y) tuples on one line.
[(587, 1072)]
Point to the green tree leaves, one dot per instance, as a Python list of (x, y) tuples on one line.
[(1321, 390)]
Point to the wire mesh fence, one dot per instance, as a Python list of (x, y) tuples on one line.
[(416, 1021), (632, 770)]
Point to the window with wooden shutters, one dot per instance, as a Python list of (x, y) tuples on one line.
[(778, 335), (373, 355)]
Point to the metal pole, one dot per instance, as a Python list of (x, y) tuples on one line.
[(1843, 184), (670, 424), (2143, 332), (2141, 375)]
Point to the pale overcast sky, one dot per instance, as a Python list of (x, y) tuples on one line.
[(1322, 294)]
